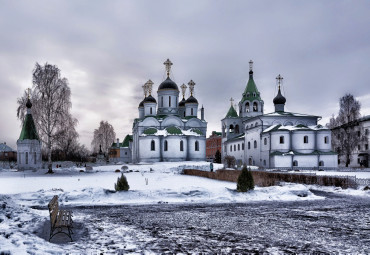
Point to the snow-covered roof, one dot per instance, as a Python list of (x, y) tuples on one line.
[(273, 114), (172, 131), (5, 148), (279, 153), (294, 128)]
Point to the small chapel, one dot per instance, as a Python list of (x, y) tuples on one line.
[(280, 139), (168, 127), (29, 144)]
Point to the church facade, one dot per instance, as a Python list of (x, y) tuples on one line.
[(168, 128), (274, 140)]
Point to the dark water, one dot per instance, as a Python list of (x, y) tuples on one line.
[(338, 224)]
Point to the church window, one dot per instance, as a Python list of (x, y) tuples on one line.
[(326, 139), (236, 129), (152, 146), (358, 160), (305, 139), (249, 145), (254, 94), (238, 147), (281, 139), (34, 158), (192, 113), (255, 144), (359, 147), (162, 101), (169, 101), (184, 113), (231, 129), (196, 146), (366, 147), (26, 157), (151, 111), (358, 133), (255, 107), (243, 146), (366, 131), (234, 147), (247, 107), (231, 148), (165, 145), (321, 163), (265, 141), (181, 145), (295, 163)]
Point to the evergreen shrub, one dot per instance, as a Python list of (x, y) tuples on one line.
[(245, 181), (121, 184)]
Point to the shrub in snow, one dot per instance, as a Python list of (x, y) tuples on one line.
[(229, 161), (117, 171), (121, 184), (218, 157), (245, 181), (124, 168)]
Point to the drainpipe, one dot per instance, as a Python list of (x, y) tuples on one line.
[(290, 146)]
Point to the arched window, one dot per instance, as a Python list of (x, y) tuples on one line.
[(305, 139), (234, 147), (238, 147), (247, 107), (256, 124), (165, 145), (162, 101), (247, 94), (151, 111), (184, 113), (255, 144), (34, 157), (169, 101), (231, 148), (282, 139), (192, 113), (231, 129), (295, 163), (26, 158), (265, 141), (196, 146), (326, 139), (249, 145), (243, 146), (236, 129), (181, 145), (152, 145), (255, 107), (321, 163), (254, 94)]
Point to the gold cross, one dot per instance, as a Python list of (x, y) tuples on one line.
[(232, 101), (279, 79), (168, 65)]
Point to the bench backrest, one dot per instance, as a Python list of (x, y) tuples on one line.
[(53, 209)]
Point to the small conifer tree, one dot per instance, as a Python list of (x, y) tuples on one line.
[(245, 180), (218, 157), (121, 184)]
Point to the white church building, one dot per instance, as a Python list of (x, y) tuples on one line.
[(168, 128), (274, 140)]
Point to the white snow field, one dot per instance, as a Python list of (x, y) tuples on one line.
[(25, 230)]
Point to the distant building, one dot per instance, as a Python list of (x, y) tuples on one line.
[(121, 152), (278, 139), (213, 143), (7, 153), (29, 144)]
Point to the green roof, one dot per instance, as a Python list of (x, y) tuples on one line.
[(251, 92), (29, 129), (232, 113), (174, 130), (279, 153), (195, 130), (127, 140), (150, 131)]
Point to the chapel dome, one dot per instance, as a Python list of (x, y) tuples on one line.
[(149, 99), (28, 104), (191, 100), (279, 99), (141, 103), (168, 84), (182, 103)]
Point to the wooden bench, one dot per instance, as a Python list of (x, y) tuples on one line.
[(59, 219)]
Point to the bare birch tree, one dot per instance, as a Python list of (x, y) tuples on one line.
[(104, 136), (51, 99)]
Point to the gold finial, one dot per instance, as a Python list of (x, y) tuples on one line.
[(250, 65), (191, 87), (279, 80), (232, 102), (183, 90), (150, 86), (145, 89), (168, 65), (28, 93)]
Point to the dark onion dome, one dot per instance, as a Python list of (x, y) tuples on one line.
[(182, 103), (168, 84), (279, 99), (141, 103), (28, 104), (191, 100), (149, 99)]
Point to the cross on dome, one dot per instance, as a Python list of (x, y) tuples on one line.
[(183, 89), (168, 65), (250, 65), (191, 87), (279, 80), (232, 101), (150, 86), (145, 89)]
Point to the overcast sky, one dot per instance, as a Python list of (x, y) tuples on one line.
[(109, 49)]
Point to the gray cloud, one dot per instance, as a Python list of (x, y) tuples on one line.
[(107, 50)]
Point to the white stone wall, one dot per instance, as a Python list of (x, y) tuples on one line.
[(141, 112), (173, 152), (32, 148), (275, 141), (237, 149), (196, 155), (189, 107), (253, 154), (329, 160), (306, 160), (145, 152), (282, 161), (164, 98), (320, 140), (150, 106), (298, 141)]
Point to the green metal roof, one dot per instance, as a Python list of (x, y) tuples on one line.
[(251, 92), (195, 130), (29, 129), (127, 140), (150, 131), (279, 153), (174, 130), (232, 113)]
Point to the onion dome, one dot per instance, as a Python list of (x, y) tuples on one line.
[(141, 103), (182, 103), (168, 84), (149, 99), (279, 99), (191, 100), (28, 104)]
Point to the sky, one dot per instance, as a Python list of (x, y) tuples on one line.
[(108, 49)]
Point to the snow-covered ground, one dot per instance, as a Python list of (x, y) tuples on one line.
[(149, 184)]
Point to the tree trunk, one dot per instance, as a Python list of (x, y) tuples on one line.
[(347, 160), (50, 164)]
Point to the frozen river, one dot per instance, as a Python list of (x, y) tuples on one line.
[(339, 223)]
